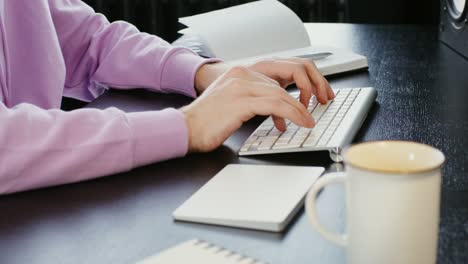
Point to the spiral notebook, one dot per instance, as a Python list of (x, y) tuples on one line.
[(199, 251)]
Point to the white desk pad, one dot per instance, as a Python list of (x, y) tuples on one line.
[(262, 197)]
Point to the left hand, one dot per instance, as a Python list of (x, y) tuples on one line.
[(300, 71), (283, 70)]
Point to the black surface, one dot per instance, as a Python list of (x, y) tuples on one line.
[(394, 11), (422, 93)]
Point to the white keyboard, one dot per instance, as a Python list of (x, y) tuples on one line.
[(337, 122)]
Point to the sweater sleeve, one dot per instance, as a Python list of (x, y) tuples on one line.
[(99, 54), (49, 147)]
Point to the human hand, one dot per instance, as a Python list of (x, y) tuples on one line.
[(303, 72), (295, 70), (284, 70), (235, 97)]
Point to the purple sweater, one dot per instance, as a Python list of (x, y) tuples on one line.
[(55, 48)]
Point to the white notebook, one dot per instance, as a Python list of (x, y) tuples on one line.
[(262, 197), (198, 251), (256, 30)]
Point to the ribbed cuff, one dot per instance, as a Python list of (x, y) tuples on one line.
[(178, 74), (158, 135)]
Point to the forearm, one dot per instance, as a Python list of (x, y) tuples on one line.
[(42, 148), (99, 54)]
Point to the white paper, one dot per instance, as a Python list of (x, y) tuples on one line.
[(249, 30), (340, 60)]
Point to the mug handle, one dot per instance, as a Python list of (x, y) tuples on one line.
[(310, 208)]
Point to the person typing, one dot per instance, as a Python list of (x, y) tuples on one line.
[(55, 48)]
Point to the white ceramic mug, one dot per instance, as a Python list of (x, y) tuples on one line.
[(392, 203)]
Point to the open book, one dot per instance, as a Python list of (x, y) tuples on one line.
[(257, 30)]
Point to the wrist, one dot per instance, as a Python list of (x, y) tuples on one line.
[(208, 73), (187, 116)]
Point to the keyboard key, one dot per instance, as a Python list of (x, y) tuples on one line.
[(253, 148), (261, 133), (251, 139), (256, 142), (316, 115), (297, 141), (302, 134), (268, 121), (344, 92), (298, 138), (312, 106), (245, 148), (289, 146), (310, 142), (275, 132), (270, 138), (292, 126), (323, 141), (263, 127), (265, 145), (287, 135), (282, 141), (323, 107)]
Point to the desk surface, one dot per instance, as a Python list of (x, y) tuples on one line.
[(422, 91)]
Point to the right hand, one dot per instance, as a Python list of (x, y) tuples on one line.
[(235, 97)]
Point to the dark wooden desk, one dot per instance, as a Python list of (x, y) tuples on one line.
[(423, 90)]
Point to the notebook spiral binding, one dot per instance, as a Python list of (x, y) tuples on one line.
[(228, 254)]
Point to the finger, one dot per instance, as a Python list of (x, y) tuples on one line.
[(289, 71), (300, 77), (269, 68), (277, 107), (261, 89), (249, 75), (265, 90), (264, 78), (280, 123), (330, 92), (304, 85), (323, 88)]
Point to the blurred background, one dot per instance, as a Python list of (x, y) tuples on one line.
[(160, 16)]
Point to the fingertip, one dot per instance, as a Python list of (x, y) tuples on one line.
[(305, 102), (282, 129), (308, 99), (312, 121), (309, 122), (331, 94), (322, 100), (280, 124), (325, 94)]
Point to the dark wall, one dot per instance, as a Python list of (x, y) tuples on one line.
[(394, 12), (160, 16)]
